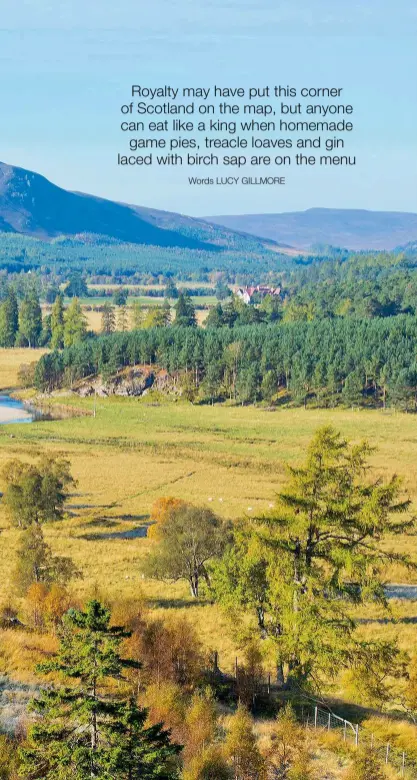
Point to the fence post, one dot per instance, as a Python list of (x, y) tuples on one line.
[(403, 772), (216, 661), (344, 732), (328, 725), (387, 755), (269, 683), (357, 735), (315, 717)]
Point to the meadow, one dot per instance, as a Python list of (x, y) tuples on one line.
[(230, 458)]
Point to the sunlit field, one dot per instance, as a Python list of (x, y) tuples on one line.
[(229, 458), (11, 360), (91, 309)]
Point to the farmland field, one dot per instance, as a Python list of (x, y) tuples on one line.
[(231, 459)]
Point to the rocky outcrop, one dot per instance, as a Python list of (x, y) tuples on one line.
[(136, 381)]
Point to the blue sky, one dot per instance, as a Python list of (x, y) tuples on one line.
[(66, 67)]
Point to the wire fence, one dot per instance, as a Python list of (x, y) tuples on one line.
[(352, 733), (251, 688)]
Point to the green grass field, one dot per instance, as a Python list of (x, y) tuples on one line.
[(231, 459)]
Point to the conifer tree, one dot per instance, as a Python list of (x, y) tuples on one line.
[(122, 318), (184, 311), (9, 319), (30, 319), (57, 323), (75, 325), (317, 550), (137, 751), (137, 315), (108, 318), (84, 731)]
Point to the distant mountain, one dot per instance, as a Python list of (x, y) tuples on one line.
[(349, 228), (31, 205)]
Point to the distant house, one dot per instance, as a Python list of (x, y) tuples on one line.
[(246, 294)]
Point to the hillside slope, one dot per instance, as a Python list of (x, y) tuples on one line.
[(31, 205), (349, 228)]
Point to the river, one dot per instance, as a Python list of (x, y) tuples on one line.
[(14, 411)]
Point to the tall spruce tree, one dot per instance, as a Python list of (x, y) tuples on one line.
[(57, 323), (184, 311), (9, 319), (86, 731), (108, 318), (30, 319), (75, 326)]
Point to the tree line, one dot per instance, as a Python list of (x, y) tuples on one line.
[(329, 362)]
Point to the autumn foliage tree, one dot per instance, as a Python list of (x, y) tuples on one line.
[(241, 749), (160, 511), (366, 766), (288, 755)]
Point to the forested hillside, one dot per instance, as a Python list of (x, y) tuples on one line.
[(100, 255), (350, 361)]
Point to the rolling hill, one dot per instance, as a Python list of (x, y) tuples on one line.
[(348, 228), (31, 205)]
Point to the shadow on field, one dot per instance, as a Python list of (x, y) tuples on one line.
[(177, 603), (140, 532), (388, 621)]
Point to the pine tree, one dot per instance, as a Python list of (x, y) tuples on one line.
[(85, 731), (108, 319), (184, 311), (137, 315), (137, 752), (75, 326), (120, 296), (30, 319), (57, 323), (9, 319), (122, 318)]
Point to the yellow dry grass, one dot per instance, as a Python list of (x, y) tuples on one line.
[(11, 360), (231, 459), (94, 317)]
